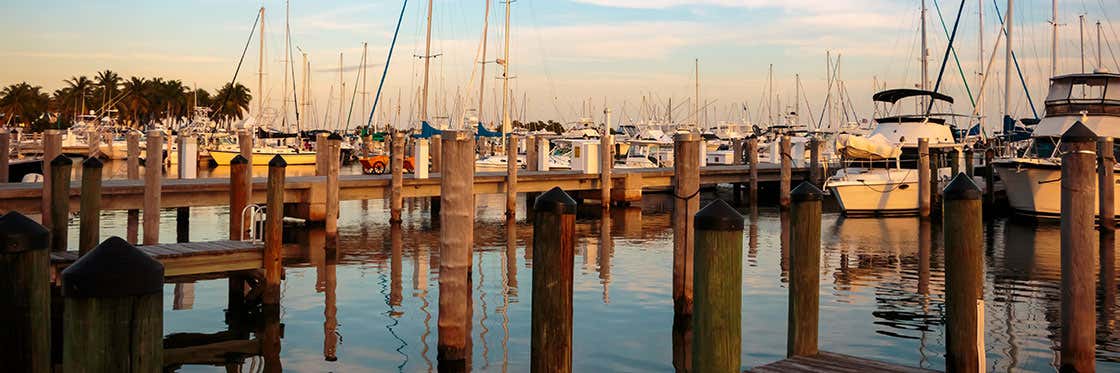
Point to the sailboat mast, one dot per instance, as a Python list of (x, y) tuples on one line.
[(427, 65), (1081, 25), (1007, 60), (341, 92), (980, 54), (797, 96), (260, 71), (482, 78), (287, 64), (1053, 39), (507, 126), (1100, 59), (925, 55), (306, 80), (365, 72), (696, 102), (770, 92)]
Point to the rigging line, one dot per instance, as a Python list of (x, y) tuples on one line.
[(945, 59), (389, 58), (954, 50), (357, 78), (808, 107), (1016, 60), (295, 99), (828, 96), (222, 102)]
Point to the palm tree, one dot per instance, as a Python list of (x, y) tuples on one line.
[(109, 83), (80, 89), (136, 103), (232, 102), (24, 103)]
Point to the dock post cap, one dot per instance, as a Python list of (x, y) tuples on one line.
[(52, 132), (1078, 132), (151, 133), (334, 136), (238, 159), (555, 200), (61, 160), (277, 161), (19, 233), (114, 268), (686, 136), (961, 188), (92, 162), (718, 216), (806, 191)]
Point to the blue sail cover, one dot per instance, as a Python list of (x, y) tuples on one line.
[(427, 131), (1013, 131), (483, 132)]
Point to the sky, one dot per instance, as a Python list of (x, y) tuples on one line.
[(568, 58)]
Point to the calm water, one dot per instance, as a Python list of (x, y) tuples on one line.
[(374, 306)]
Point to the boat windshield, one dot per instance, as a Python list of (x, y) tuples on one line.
[(1081, 94), (1043, 147)]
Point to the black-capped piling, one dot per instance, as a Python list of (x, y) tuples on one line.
[(963, 229), (60, 201), (717, 311), (1078, 332), (26, 296), (804, 274), (89, 228), (553, 261), (274, 231)]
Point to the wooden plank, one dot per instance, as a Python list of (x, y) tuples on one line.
[(192, 258), (833, 362)]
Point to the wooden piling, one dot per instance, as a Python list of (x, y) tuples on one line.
[(435, 153), (923, 178), (511, 175), (1106, 183), (5, 154), (273, 231), (686, 193), (963, 227), (969, 167), (60, 201), (322, 148), (245, 144), (934, 177), (113, 316), (531, 155), (26, 296), (89, 228), (804, 274), (456, 243), (153, 180), (606, 163), (188, 169), (396, 164), (1078, 332), (815, 161), (717, 316), (752, 159), (52, 148), (239, 197), (133, 172), (786, 172), (334, 163), (554, 245), (955, 161), (989, 179)]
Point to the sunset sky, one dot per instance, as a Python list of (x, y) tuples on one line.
[(564, 53)]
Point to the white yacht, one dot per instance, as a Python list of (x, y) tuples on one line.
[(1033, 179), (879, 174)]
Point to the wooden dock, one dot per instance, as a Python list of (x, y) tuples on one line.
[(833, 362), (190, 258)]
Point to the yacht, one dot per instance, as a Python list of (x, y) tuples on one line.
[(879, 174), (1032, 178)]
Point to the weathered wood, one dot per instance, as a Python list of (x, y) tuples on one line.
[(153, 180), (133, 172), (334, 162), (785, 183), (531, 155), (5, 153), (436, 152), (511, 174), (240, 193), (1106, 182), (60, 201), (833, 362), (245, 144), (113, 316), (804, 273), (606, 162), (752, 159), (273, 231), (934, 176), (969, 167), (52, 148), (717, 314), (989, 179), (1078, 332), (923, 178), (963, 227), (89, 228), (554, 244), (188, 169), (322, 148), (686, 200), (954, 161), (455, 245), (25, 316), (815, 171), (184, 260), (396, 186)]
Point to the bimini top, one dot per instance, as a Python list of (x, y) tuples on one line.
[(893, 95)]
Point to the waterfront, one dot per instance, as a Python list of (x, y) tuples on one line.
[(873, 281)]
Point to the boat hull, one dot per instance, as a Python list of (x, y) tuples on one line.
[(1036, 190), (877, 198), (223, 158)]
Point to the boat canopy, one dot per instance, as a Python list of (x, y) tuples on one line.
[(893, 95), (876, 147), (426, 131), (483, 132)]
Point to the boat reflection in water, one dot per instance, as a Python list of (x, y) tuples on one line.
[(369, 304)]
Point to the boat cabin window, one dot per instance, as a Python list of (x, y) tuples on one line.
[(1091, 95), (1043, 147)]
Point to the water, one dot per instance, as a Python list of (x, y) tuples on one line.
[(374, 307)]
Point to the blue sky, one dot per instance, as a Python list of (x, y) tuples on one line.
[(565, 54)]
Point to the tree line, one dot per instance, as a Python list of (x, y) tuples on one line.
[(134, 102)]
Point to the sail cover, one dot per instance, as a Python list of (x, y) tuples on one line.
[(427, 131), (483, 132), (859, 147)]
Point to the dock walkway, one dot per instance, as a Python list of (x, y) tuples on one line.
[(833, 362), (190, 258)]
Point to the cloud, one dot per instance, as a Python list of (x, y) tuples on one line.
[(373, 68), (129, 56)]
